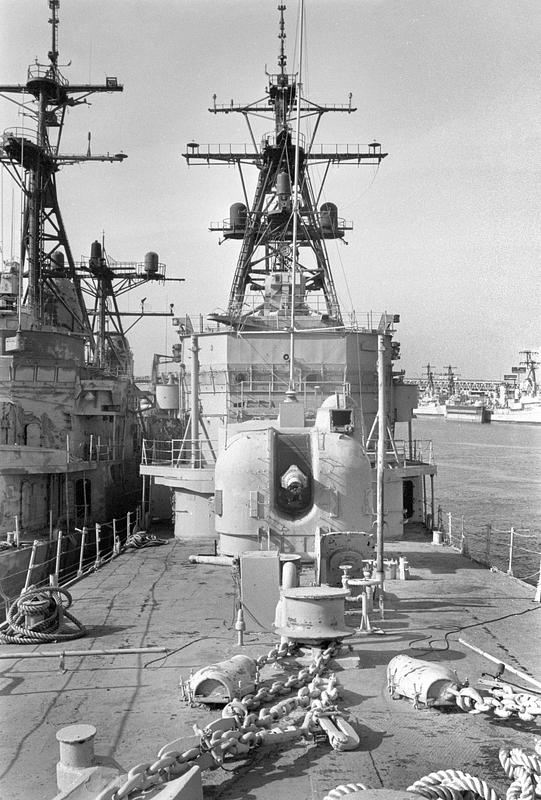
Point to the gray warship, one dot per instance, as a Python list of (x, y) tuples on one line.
[(299, 630), (70, 427)]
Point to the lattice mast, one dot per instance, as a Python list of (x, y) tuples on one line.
[(33, 159), (528, 365), (266, 224)]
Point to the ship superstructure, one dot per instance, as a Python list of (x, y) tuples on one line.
[(283, 328), (69, 430)]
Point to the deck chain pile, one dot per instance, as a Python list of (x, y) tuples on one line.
[(240, 729), (502, 701)]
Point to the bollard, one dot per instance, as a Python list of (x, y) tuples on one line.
[(76, 754), (289, 575), (77, 745), (80, 773)]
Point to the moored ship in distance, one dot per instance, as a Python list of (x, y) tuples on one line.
[(518, 397), (284, 336), (474, 411), (431, 397), (70, 433), (448, 397)]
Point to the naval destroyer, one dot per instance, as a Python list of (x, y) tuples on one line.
[(70, 427), (304, 402)]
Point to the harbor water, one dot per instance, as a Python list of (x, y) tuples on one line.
[(490, 476)]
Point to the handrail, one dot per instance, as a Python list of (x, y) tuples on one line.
[(46, 71), (20, 133), (514, 550), (71, 556), (352, 321), (179, 453)]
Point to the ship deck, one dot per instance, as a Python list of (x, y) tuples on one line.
[(155, 597)]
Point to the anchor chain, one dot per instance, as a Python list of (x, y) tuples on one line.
[(240, 729), (501, 701)]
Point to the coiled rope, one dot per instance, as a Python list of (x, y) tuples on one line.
[(522, 768), (144, 539), (50, 603), (344, 789)]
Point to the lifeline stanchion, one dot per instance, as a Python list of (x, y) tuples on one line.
[(31, 564), (97, 563), (58, 554), (82, 550), (240, 627)]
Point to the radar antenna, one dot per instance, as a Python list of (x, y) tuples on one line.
[(282, 58)]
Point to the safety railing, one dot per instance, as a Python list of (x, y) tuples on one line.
[(107, 372), (22, 134), (351, 149), (210, 149), (356, 321), (322, 219), (37, 71), (104, 452), (67, 556), (179, 453), (404, 452), (514, 550), (267, 394)]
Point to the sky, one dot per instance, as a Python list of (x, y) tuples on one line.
[(446, 231)]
